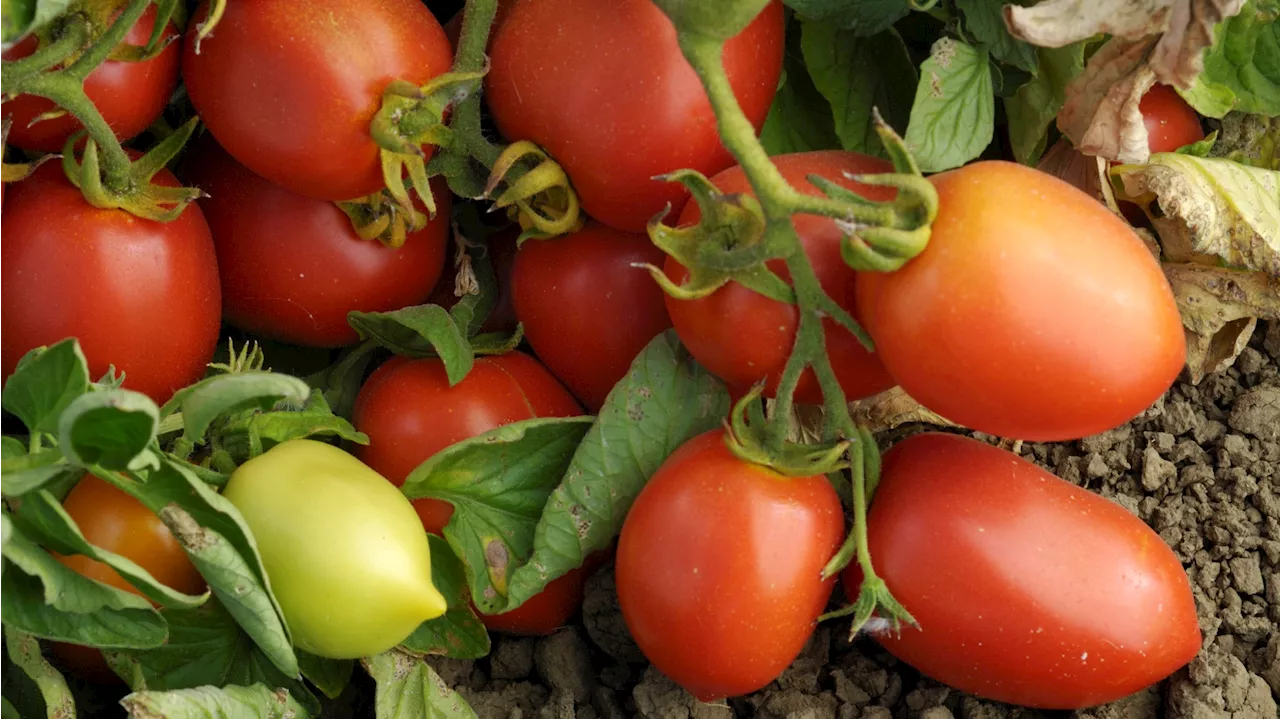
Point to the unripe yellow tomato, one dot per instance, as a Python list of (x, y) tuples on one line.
[(344, 551)]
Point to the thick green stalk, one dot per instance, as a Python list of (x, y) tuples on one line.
[(477, 22)]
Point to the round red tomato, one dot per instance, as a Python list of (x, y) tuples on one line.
[(502, 256), (289, 89), (1170, 121), (742, 336), (130, 95), (544, 612), (112, 520), (587, 310), (292, 267), (140, 295), (1028, 589), (1034, 312), (410, 412), (719, 567), (604, 88)]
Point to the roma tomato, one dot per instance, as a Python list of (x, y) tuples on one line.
[(719, 567), (289, 88), (544, 612), (502, 256), (292, 267), (587, 310), (410, 412), (140, 295), (1033, 313), (1171, 123), (742, 336), (604, 88), (345, 554), (1028, 589), (130, 95)]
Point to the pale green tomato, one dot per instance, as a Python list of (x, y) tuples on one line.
[(344, 551)]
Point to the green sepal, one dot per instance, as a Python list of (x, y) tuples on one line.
[(748, 438), (143, 198)]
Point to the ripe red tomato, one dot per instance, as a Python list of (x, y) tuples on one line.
[(1034, 312), (289, 88), (292, 267), (140, 295), (502, 256), (544, 612), (130, 95), (1028, 589), (410, 412), (719, 567), (111, 519), (742, 336), (604, 88), (587, 310), (1171, 123)]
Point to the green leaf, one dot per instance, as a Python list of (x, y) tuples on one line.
[(29, 472), (459, 632), (231, 702), (331, 676), (953, 116), (863, 17), (46, 381), (665, 400), (341, 381), (985, 20), (1036, 103), (419, 331), (1249, 139), (497, 483), (24, 651), (1242, 67), (208, 399), (250, 432), (21, 17), (108, 429), (7, 711), (800, 118), (856, 74), (1200, 148), (410, 689)]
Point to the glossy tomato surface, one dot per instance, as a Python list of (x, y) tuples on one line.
[(1033, 313), (1171, 123), (410, 412), (289, 88), (604, 88), (1028, 589), (130, 95), (544, 612), (292, 267), (140, 295), (743, 336), (501, 248), (587, 309), (718, 567)]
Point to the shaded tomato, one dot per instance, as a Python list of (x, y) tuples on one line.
[(604, 88), (1171, 123), (1034, 312), (1028, 589), (502, 256), (719, 567), (587, 310), (742, 336), (130, 95), (410, 412), (292, 267), (140, 295), (289, 89), (544, 612)]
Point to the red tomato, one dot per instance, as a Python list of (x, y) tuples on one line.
[(292, 267), (587, 310), (140, 295), (604, 88), (1028, 589), (544, 612), (502, 256), (130, 95), (742, 336), (1171, 123), (719, 566), (410, 412), (112, 520), (289, 89), (1034, 312)]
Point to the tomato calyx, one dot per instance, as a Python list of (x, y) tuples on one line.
[(139, 196), (748, 435), (539, 197), (380, 217), (17, 171)]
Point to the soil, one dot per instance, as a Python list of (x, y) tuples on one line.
[(1201, 466)]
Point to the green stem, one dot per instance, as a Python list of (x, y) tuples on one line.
[(71, 37), (67, 92), (477, 21), (108, 41)]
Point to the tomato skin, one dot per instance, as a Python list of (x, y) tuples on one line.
[(556, 62), (1044, 316), (742, 336), (289, 89), (544, 612), (130, 95), (502, 256), (410, 412), (587, 311), (1171, 123), (718, 567), (1087, 603), (140, 295), (292, 267)]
